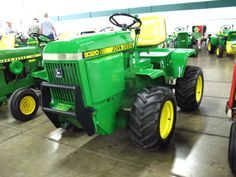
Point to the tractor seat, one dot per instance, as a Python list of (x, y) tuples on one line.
[(200, 28), (7, 42), (153, 31), (199, 32)]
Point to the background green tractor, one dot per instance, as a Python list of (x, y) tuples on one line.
[(107, 81), (171, 40), (17, 67), (183, 39), (20, 40), (222, 41)]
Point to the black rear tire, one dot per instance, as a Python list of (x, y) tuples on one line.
[(211, 48), (219, 51), (24, 104), (145, 121), (187, 96), (232, 148)]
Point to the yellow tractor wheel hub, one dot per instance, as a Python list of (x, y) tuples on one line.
[(209, 46), (27, 105), (167, 119), (217, 51), (199, 87)]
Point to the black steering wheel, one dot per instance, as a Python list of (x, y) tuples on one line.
[(124, 26), (20, 36), (38, 35), (179, 28), (225, 27)]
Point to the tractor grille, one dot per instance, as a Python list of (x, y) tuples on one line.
[(62, 74), (183, 40)]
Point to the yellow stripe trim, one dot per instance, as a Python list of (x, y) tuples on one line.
[(117, 48), (20, 58)]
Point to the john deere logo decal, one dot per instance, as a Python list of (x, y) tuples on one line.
[(59, 73), (8, 60)]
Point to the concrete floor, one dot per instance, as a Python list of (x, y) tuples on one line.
[(199, 147)]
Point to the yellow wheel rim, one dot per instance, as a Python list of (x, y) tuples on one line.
[(167, 119), (199, 87), (27, 105), (217, 51), (209, 46)]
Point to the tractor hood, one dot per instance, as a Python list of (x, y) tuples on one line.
[(105, 43), (9, 55), (232, 36)]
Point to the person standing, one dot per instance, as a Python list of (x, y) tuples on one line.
[(34, 27), (9, 28), (47, 28)]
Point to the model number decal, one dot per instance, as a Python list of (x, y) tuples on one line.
[(117, 48), (91, 53)]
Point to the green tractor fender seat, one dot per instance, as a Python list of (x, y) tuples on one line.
[(152, 33)]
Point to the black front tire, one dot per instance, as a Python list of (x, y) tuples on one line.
[(24, 104), (145, 120), (219, 51), (186, 92), (232, 148), (211, 48)]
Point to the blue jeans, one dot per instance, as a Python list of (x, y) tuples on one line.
[(51, 36)]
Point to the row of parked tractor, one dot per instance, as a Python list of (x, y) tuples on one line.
[(92, 82), (222, 42)]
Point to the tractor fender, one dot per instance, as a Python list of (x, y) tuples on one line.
[(178, 62), (152, 73)]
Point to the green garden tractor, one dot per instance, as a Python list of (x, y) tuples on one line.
[(22, 41), (183, 39), (19, 40), (222, 41), (17, 67), (172, 39), (106, 81)]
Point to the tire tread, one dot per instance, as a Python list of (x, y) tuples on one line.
[(144, 116)]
